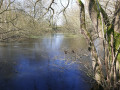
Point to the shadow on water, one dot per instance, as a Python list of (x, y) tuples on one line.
[(31, 65)]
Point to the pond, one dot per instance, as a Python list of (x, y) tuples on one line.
[(47, 63)]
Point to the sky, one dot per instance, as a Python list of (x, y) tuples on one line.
[(72, 6)]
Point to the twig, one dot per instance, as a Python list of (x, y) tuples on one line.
[(7, 7)]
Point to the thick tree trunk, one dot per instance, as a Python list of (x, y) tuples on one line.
[(117, 17)]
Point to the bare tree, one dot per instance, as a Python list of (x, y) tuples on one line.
[(105, 29), (21, 20)]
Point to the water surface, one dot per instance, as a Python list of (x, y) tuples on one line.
[(40, 64)]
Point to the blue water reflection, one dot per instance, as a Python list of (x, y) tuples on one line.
[(31, 66)]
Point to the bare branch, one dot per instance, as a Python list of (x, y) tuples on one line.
[(64, 7), (10, 20), (50, 8), (35, 8), (7, 7)]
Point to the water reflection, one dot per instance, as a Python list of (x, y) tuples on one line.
[(31, 65)]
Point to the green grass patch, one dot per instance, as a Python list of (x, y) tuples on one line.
[(34, 37)]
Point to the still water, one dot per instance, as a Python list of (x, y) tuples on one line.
[(41, 64)]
